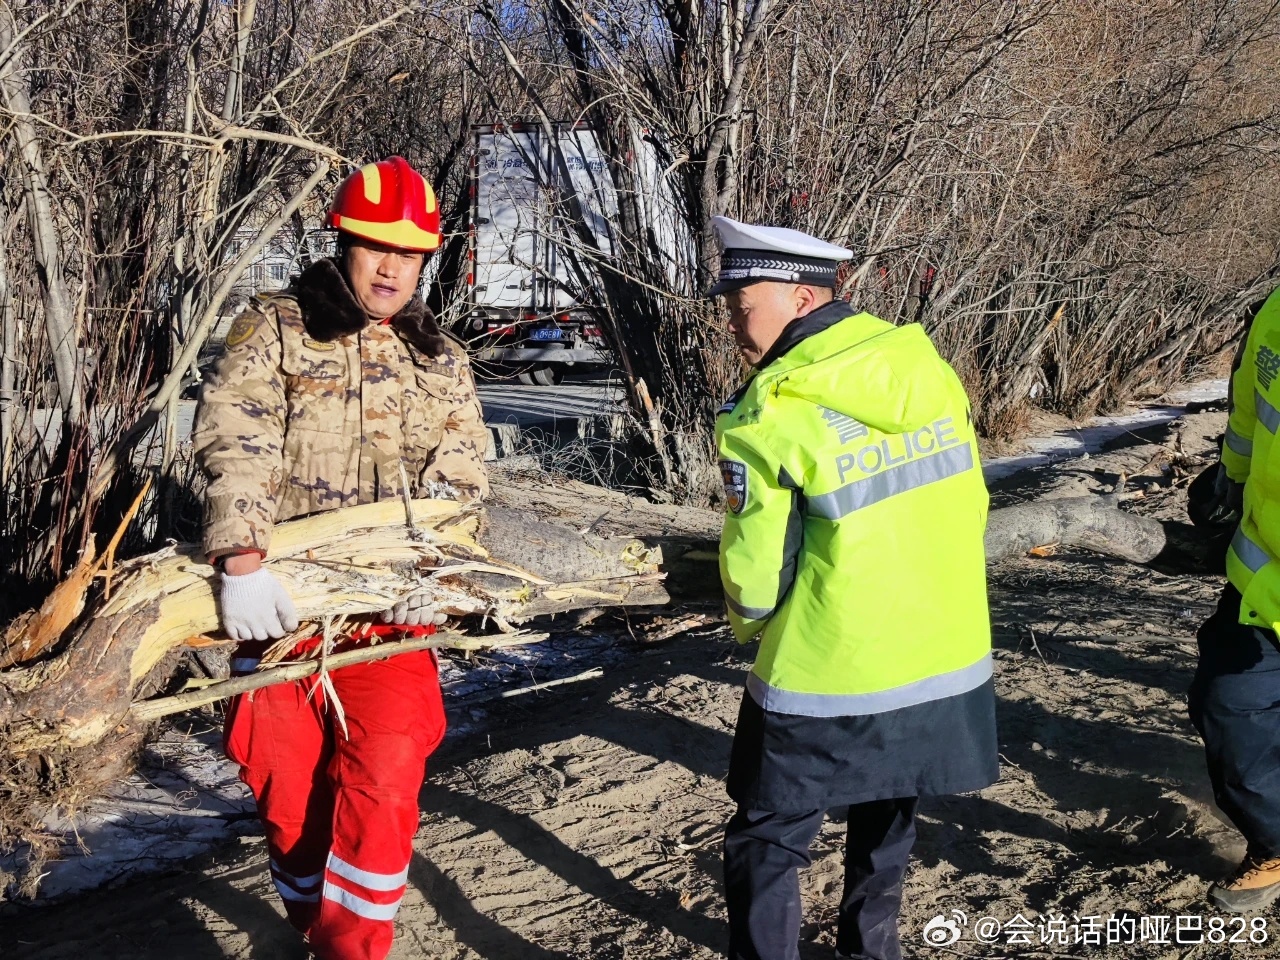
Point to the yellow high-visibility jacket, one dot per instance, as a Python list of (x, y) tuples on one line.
[(1252, 457), (853, 538)]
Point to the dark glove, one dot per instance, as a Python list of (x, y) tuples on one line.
[(1214, 500), (417, 610)]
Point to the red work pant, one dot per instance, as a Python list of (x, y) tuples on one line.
[(340, 811)]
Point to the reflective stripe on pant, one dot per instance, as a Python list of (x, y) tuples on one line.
[(763, 852), (1234, 703), (340, 811)]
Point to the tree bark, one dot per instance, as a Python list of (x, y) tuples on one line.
[(1089, 523), (8, 367), (59, 317), (714, 181)]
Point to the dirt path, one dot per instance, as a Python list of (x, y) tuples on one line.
[(585, 821)]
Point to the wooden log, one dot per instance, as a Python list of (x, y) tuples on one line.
[(286, 672), (501, 565), (1095, 524), (689, 536)]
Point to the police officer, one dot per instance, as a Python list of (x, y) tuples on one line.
[(1235, 694), (853, 550), (330, 394)]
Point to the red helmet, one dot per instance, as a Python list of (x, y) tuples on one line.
[(388, 202)]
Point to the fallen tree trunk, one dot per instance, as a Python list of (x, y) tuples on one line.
[(689, 536), (345, 563), (73, 718), (1095, 524)]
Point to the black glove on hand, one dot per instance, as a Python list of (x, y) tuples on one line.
[(1214, 500)]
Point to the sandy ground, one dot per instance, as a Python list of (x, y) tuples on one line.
[(585, 821)]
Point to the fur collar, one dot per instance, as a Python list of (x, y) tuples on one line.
[(330, 311)]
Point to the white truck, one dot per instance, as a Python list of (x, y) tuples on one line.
[(528, 310)]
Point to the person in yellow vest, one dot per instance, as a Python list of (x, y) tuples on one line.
[(1235, 695), (853, 550)]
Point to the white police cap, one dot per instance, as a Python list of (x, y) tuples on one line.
[(753, 254)]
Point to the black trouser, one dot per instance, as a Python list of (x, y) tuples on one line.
[(1235, 705), (763, 852)]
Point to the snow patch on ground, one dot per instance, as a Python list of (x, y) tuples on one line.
[(1100, 431), (186, 797)]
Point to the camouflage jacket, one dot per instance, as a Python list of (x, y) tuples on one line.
[(313, 408)]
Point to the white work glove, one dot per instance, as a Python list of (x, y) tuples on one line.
[(256, 607), (415, 611)]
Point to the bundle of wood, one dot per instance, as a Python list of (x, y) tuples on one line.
[(342, 564)]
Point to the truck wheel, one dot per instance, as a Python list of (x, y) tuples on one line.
[(543, 376), (548, 376)]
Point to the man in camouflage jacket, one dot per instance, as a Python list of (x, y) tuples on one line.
[(313, 407), (333, 393)]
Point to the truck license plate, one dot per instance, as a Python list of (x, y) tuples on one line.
[(548, 333)]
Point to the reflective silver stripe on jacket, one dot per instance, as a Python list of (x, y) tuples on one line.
[(748, 613), (1268, 415), (891, 482), (1238, 444), (1251, 555), (862, 704)]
